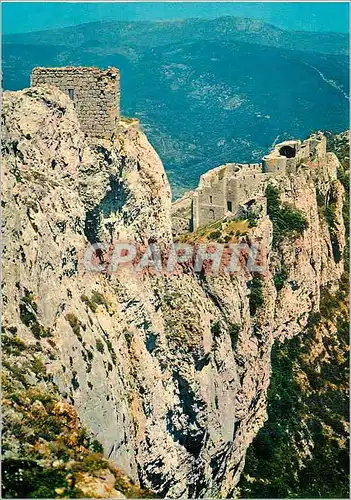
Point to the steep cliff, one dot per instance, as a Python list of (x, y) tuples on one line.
[(302, 449), (169, 371)]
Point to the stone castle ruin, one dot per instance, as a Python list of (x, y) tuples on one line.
[(95, 93), (224, 189)]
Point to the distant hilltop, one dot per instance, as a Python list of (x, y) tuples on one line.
[(156, 33)]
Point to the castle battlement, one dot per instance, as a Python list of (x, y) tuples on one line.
[(94, 92)]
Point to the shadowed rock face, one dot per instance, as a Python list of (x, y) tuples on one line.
[(169, 372)]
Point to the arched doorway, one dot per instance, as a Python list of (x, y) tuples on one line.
[(288, 151)]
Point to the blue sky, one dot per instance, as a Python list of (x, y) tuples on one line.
[(311, 16)]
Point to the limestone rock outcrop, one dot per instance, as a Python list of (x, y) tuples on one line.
[(169, 372)]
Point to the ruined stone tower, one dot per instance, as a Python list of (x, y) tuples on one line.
[(95, 93)]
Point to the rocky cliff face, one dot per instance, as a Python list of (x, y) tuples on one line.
[(168, 371)]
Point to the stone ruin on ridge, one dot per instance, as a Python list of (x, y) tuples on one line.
[(95, 93)]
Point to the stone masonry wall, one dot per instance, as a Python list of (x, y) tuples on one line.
[(225, 188), (231, 183), (211, 203), (95, 93)]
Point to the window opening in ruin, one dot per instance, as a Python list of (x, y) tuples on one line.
[(212, 214), (288, 151), (210, 199), (71, 94), (229, 206)]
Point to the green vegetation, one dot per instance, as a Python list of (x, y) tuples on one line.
[(188, 141), (327, 208), (280, 278), (100, 346), (308, 404), (28, 308), (256, 296), (215, 235), (28, 315), (96, 300), (303, 451), (12, 345), (99, 299), (128, 336), (252, 219), (339, 144), (216, 329), (16, 173), (92, 306), (234, 331), (287, 221), (74, 381), (46, 452), (129, 120), (219, 231), (39, 331), (111, 350), (75, 324), (330, 214)]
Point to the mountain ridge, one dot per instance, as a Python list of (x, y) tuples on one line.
[(241, 27), (201, 99)]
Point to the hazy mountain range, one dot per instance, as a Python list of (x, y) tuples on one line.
[(206, 91)]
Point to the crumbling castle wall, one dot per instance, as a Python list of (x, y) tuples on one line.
[(95, 93), (225, 188), (274, 163)]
